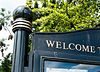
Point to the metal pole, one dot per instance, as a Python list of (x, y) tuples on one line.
[(22, 27)]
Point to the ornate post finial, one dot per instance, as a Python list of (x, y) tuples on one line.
[(22, 19)]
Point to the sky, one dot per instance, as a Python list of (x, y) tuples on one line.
[(9, 5), (64, 70), (53, 66)]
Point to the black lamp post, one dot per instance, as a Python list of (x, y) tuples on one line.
[(22, 27)]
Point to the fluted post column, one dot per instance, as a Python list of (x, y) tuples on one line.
[(22, 27)]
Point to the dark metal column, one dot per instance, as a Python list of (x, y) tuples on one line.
[(22, 27)]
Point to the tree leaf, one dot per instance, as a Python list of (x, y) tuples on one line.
[(3, 9)]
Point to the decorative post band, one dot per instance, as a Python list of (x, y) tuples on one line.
[(22, 27), (22, 24)]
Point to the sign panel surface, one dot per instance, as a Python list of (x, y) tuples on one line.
[(83, 43)]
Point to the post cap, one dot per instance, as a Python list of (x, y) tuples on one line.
[(22, 18), (23, 12)]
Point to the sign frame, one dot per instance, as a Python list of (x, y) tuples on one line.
[(41, 55)]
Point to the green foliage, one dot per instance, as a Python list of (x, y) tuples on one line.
[(6, 63), (36, 4), (44, 4), (29, 4), (66, 16), (4, 17), (4, 23), (30, 43), (53, 1)]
